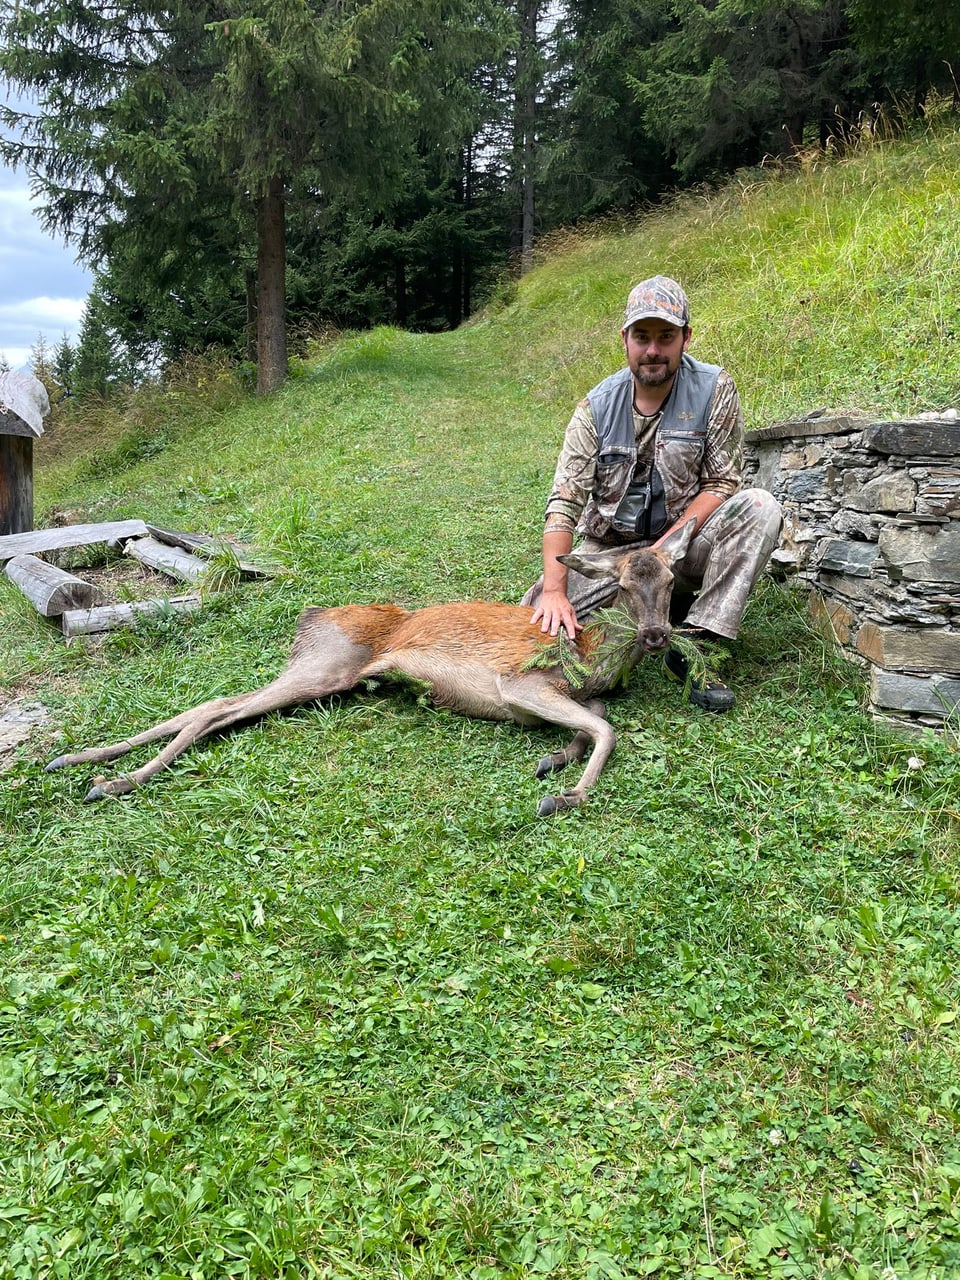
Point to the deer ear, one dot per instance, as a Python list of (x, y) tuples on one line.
[(595, 564), (674, 548)]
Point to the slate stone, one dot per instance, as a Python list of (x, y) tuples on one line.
[(829, 422), (935, 695), (910, 648), (805, 484), (922, 554), (891, 493), (857, 558), (858, 523), (831, 618), (930, 439), (847, 588)]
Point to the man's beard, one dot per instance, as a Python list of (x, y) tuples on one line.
[(653, 373)]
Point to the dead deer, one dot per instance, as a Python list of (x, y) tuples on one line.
[(477, 659)]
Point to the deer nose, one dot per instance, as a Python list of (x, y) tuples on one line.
[(654, 639)]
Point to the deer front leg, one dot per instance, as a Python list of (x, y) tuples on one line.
[(528, 695), (575, 750)]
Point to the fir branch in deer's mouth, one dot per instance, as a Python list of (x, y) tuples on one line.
[(603, 656)]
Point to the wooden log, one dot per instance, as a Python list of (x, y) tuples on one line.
[(83, 622), (204, 545), (71, 535), (50, 590), (173, 561), (16, 484)]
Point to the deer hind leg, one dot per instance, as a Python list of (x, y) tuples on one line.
[(524, 697), (576, 749), (298, 683), (96, 755)]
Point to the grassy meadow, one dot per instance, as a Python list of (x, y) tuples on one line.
[(327, 999)]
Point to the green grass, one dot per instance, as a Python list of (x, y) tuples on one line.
[(327, 999)]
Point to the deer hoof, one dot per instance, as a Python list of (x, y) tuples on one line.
[(558, 804), (61, 762), (549, 764), (118, 787)]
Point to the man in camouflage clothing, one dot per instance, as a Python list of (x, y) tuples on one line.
[(653, 446)]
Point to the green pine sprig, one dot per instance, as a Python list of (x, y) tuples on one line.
[(611, 654), (704, 658)]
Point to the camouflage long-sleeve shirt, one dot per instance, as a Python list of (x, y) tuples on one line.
[(720, 471)]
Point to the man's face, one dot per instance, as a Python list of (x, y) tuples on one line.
[(653, 350)]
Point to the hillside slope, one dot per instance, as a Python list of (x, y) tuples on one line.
[(326, 999)]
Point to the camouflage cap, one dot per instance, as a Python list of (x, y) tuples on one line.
[(658, 298)]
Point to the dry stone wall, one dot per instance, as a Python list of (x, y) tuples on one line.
[(872, 528)]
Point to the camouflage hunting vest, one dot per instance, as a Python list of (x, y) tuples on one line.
[(630, 507)]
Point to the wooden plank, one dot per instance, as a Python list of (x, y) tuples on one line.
[(173, 561), (84, 622), (71, 535), (50, 590), (206, 546), (16, 484)]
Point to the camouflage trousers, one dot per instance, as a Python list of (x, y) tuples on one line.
[(721, 566)]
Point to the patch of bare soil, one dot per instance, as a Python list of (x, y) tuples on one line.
[(19, 720), (25, 717), (119, 579)]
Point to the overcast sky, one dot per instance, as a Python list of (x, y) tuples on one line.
[(42, 290)]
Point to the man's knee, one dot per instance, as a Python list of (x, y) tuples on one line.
[(760, 507), (766, 512)]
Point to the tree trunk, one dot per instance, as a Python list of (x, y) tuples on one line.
[(454, 307), (529, 157), (526, 85), (400, 291), (527, 106), (251, 307), (467, 283), (271, 289)]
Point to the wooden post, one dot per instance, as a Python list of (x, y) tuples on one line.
[(23, 404), (16, 484)]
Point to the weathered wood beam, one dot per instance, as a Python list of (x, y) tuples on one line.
[(71, 535), (173, 561), (205, 546), (50, 590), (82, 622), (16, 483), (23, 405)]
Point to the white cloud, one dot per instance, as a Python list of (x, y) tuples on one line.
[(42, 288), (23, 322), (62, 313), (16, 357)]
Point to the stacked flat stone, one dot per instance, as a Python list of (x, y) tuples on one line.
[(872, 529)]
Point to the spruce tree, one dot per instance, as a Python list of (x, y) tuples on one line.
[(154, 114), (97, 362), (63, 366)]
